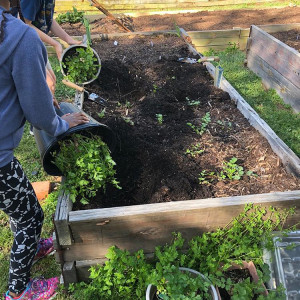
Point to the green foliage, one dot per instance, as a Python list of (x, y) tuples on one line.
[(128, 120), (192, 102), (155, 88), (204, 123), (62, 92), (49, 206), (177, 29), (194, 150), (29, 157), (86, 24), (72, 17), (232, 170), (270, 107), (206, 177), (240, 240), (101, 114), (87, 165), (172, 283), (81, 66), (159, 118), (125, 276)]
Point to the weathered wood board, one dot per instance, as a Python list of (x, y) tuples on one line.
[(139, 6), (276, 63)]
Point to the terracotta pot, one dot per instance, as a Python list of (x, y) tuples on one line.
[(253, 273)]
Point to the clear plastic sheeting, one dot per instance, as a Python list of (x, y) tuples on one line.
[(284, 263)]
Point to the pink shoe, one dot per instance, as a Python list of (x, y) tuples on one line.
[(38, 289), (45, 247)]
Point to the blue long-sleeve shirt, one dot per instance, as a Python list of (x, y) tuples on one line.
[(24, 94)]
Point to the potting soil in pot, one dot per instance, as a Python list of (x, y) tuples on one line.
[(179, 137)]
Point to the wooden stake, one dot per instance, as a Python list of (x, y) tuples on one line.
[(108, 14)]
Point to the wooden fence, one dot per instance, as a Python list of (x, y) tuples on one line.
[(144, 6)]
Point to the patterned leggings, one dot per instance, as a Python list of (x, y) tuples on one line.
[(19, 202)]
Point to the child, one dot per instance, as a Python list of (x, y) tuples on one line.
[(24, 95)]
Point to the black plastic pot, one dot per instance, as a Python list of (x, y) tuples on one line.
[(48, 144)]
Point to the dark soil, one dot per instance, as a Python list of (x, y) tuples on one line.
[(141, 78), (291, 38), (205, 20)]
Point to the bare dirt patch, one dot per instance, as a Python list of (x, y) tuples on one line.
[(141, 79), (291, 38), (205, 20)]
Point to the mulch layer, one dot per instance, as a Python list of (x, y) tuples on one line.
[(204, 20), (142, 78), (291, 38)]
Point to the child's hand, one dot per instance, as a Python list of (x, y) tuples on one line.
[(75, 119)]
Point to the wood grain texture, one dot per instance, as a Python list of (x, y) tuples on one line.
[(69, 273), (279, 27), (146, 226), (284, 59), (61, 218), (272, 79)]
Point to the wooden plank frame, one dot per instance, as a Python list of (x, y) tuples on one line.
[(202, 40), (277, 64), (84, 236)]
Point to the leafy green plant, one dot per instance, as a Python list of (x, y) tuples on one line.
[(204, 123), (72, 17), (192, 102), (155, 88), (243, 239), (231, 170), (224, 124), (101, 114), (126, 276), (194, 150), (128, 120), (159, 118), (86, 24), (87, 165), (206, 177), (170, 281), (82, 66)]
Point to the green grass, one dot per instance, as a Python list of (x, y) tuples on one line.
[(279, 116), (62, 92)]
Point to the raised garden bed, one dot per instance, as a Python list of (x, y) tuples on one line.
[(141, 78), (276, 63), (204, 20)]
